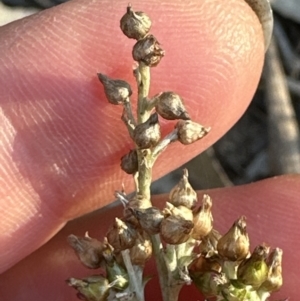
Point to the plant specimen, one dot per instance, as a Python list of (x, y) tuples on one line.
[(181, 236)]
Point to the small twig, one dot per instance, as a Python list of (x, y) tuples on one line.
[(143, 79), (161, 266), (294, 86), (129, 124), (128, 110), (283, 128), (145, 176), (135, 279), (290, 60), (161, 146), (122, 198)]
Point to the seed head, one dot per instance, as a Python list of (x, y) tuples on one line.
[(183, 193), (170, 106), (149, 219), (148, 51), (129, 162), (117, 91), (209, 243), (190, 131), (88, 250), (204, 264), (180, 211), (122, 236), (175, 229), (274, 279), (135, 25), (142, 249), (254, 270), (147, 134), (93, 288), (203, 219), (235, 244)]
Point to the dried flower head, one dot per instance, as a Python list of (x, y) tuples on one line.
[(170, 106), (181, 211), (209, 243), (183, 193), (122, 236), (175, 229), (117, 91), (148, 51), (274, 278), (142, 249), (190, 131), (235, 244), (254, 270), (203, 220), (149, 219), (147, 134), (204, 264), (129, 162), (135, 25), (88, 250)]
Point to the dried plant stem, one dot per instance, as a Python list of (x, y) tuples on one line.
[(162, 145), (128, 123), (143, 81), (162, 270), (135, 276), (129, 113), (144, 176)]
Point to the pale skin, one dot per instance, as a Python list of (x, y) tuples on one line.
[(61, 140)]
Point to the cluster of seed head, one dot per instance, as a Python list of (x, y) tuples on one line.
[(168, 105), (220, 266)]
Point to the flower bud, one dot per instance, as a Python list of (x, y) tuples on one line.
[(93, 288), (203, 219), (209, 282), (148, 51), (274, 279), (147, 134), (254, 270), (88, 250), (235, 244), (175, 229), (170, 106), (117, 276), (142, 249), (149, 219), (122, 236), (129, 162), (135, 25), (189, 131), (183, 193), (117, 91)]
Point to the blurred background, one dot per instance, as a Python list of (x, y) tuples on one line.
[(265, 142)]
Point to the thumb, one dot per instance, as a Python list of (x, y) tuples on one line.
[(62, 141)]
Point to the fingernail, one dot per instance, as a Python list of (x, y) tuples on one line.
[(263, 10)]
